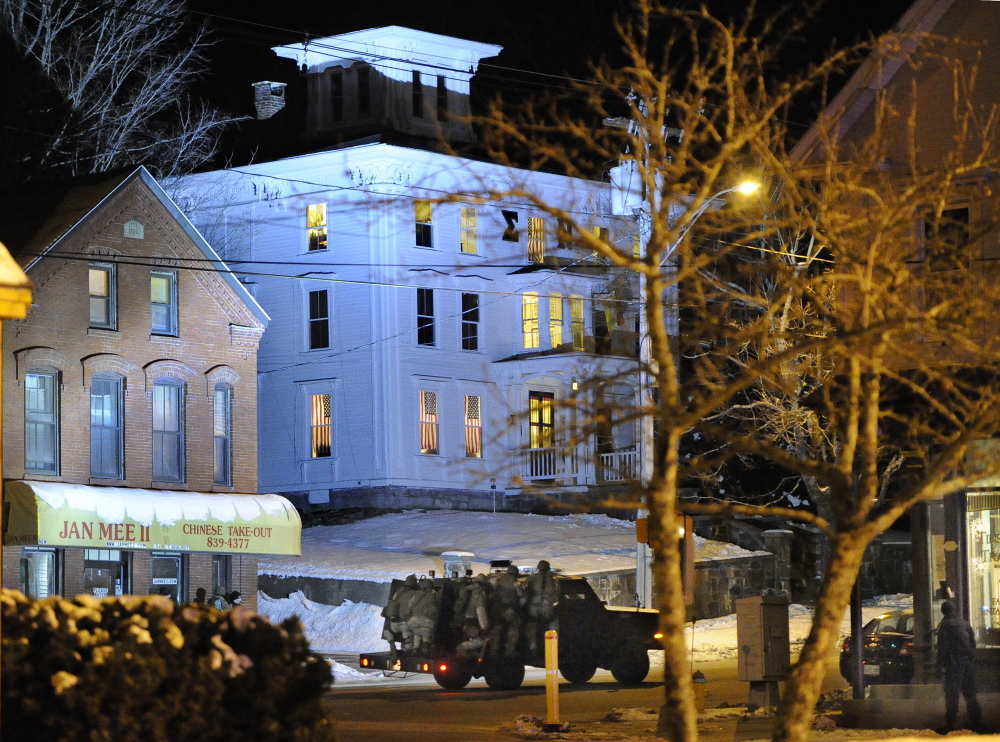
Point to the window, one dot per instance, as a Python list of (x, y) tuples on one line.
[(428, 422), (555, 319), (168, 431), (473, 427), (106, 427), (529, 319), (417, 89), (600, 233), (41, 423), (510, 233), (102, 296), (425, 316), (947, 239), (470, 321), (540, 422), (442, 99), (168, 575), (316, 226), (364, 91), (163, 302), (337, 95), (319, 320), (602, 328), (422, 211), (636, 245), (222, 435), (221, 569), (320, 428), (576, 320), (39, 573), (468, 230), (536, 239), (564, 233)]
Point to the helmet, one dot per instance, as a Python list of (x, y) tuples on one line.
[(544, 566)]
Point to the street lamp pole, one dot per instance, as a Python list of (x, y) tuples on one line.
[(647, 374)]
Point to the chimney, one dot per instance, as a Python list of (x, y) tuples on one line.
[(269, 98)]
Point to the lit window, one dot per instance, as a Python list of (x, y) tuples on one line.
[(576, 320), (422, 214), (536, 239), (425, 317), (600, 233), (540, 421), (468, 230), (442, 99), (636, 246), (555, 319), (470, 321), (319, 320), (364, 91), (168, 431), (106, 427), (316, 226), (473, 427), (321, 434), (417, 89), (222, 432), (428, 422), (102, 296), (510, 232), (41, 422), (529, 319), (337, 96), (163, 302)]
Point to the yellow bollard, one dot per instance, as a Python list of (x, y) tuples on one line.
[(699, 682), (552, 680)]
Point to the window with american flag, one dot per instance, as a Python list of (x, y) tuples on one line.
[(536, 239), (321, 432), (473, 427), (429, 422)]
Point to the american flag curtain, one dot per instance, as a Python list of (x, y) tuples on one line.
[(320, 424), (473, 428), (428, 422), (536, 239)]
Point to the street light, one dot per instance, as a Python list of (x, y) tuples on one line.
[(643, 557)]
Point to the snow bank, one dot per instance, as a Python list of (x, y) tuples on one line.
[(351, 627)]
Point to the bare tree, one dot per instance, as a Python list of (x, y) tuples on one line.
[(843, 345), (99, 85)]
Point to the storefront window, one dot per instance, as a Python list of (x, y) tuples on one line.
[(106, 573), (168, 576), (220, 571), (983, 525), (40, 573)]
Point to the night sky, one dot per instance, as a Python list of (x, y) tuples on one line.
[(552, 36)]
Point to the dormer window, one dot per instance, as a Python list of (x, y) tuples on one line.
[(423, 223), (337, 95), (418, 95), (316, 226), (442, 99), (364, 91)]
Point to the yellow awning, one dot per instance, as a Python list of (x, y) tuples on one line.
[(62, 514)]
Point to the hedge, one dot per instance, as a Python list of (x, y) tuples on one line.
[(139, 668)]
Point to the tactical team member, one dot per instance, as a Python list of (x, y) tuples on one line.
[(506, 602), (423, 616), (541, 594), (472, 615), (956, 655), (397, 614)]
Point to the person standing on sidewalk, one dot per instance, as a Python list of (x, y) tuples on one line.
[(956, 656)]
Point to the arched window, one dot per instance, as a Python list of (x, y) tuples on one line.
[(168, 431), (222, 434), (106, 450)]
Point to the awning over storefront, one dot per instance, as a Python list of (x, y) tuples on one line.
[(61, 514)]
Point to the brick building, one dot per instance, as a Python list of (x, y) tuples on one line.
[(130, 402)]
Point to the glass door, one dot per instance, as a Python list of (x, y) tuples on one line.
[(167, 571)]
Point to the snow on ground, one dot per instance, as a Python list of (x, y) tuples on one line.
[(411, 542), (350, 627)]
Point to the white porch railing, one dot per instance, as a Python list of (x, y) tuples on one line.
[(578, 465), (619, 466)]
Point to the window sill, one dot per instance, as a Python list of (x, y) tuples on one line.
[(223, 488), (155, 338), (425, 247), (107, 482), (104, 332), (169, 486), (318, 251)]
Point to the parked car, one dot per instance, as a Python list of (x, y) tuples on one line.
[(888, 654)]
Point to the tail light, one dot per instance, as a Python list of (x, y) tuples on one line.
[(364, 662), (658, 635), (847, 645), (425, 667), (906, 648), (442, 667)]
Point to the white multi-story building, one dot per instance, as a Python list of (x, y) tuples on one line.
[(426, 344)]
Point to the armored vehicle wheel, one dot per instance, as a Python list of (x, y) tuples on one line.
[(577, 672), (453, 677), (504, 675), (630, 664)]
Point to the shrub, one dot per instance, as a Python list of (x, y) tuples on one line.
[(142, 668)]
